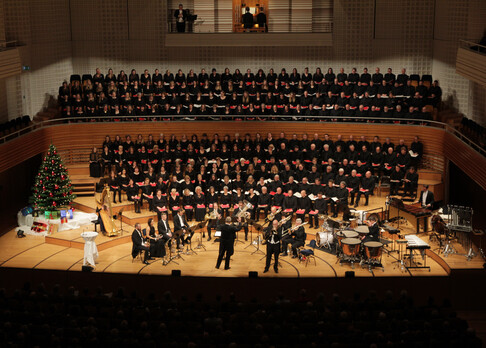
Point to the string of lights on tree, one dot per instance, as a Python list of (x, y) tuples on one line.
[(52, 188)]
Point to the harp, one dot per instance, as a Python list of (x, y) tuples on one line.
[(106, 213)]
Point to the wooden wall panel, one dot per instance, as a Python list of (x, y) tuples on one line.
[(470, 161)]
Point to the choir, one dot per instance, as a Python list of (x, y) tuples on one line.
[(250, 96), (199, 175)]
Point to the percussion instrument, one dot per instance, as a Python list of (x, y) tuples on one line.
[(353, 223), (413, 213), (351, 247), (345, 234), (373, 250), (324, 239), (362, 230)]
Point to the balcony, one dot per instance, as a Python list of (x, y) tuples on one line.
[(471, 60)]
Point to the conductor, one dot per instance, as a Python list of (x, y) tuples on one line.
[(226, 244)]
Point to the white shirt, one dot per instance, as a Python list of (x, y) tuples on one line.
[(424, 197), (182, 222)]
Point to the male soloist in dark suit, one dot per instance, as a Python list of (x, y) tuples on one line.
[(180, 223), (227, 241), (426, 198), (138, 244), (273, 235), (164, 230)]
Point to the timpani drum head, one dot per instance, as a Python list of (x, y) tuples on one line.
[(351, 246), (351, 241), (350, 234)]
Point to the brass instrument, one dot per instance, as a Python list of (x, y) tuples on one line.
[(106, 214), (212, 215), (289, 230), (271, 216), (243, 212), (284, 220)]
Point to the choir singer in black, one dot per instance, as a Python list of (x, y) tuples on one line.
[(273, 235), (227, 241)]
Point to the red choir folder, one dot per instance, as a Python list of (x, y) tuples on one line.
[(313, 212), (288, 210), (225, 206), (162, 209), (188, 207), (201, 206), (300, 211)]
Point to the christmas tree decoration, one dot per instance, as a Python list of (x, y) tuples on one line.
[(52, 187)]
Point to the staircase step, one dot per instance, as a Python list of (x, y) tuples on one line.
[(78, 169)]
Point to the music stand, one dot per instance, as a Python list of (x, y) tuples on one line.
[(119, 214), (200, 226), (258, 229), (171, 258)]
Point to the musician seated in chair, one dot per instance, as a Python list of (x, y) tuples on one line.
[(374, 234), (139, 244), (215, 215), (296, 237), (396, 178), (426, 198), (164, 231), (180, 224), (235, 214)]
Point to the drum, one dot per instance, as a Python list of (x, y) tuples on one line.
[(373, 250), (363, 230), (351, 246), (353, 223), (350, 234), (345, 234), (324, 239)]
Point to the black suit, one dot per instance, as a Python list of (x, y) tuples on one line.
[(178, 225), (164, 230), (273, 248), (428, 200), (137, 241), (181, 25), (226, 244)]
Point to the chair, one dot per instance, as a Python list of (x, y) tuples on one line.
[(95, 223), (427, 78), (75, 77), (305, 255), (384, 184), (139, 255), (87, 77)]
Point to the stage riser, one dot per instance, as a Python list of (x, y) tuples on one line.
[(80, 244)]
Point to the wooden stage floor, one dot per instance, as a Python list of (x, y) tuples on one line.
[(35, 252)]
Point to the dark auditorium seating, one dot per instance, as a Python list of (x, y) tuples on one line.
[(68, 317)]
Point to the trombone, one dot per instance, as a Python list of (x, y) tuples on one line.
[(289, 230)]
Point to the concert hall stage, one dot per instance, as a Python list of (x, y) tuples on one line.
[(64, 251)]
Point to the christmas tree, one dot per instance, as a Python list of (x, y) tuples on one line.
[(52, 188)]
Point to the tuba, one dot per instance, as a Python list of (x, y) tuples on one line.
[(106, 214), (243, 212)]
